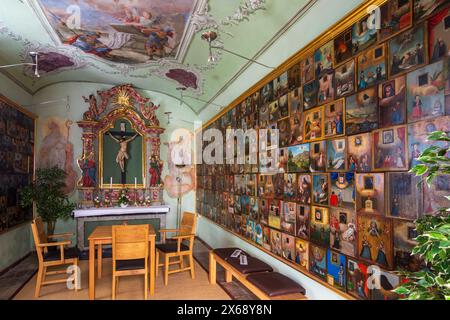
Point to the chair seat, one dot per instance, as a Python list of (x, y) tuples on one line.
[(134, 264), (55, 255), (275, 284), (254, 265), (225, 253), (170, 247)]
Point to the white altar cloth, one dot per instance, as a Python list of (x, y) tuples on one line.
[(112, 211)]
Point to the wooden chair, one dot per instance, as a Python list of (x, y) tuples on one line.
[(52, 258), (130, 254), (175, 247)]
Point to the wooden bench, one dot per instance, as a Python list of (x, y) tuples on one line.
[(281, 287)]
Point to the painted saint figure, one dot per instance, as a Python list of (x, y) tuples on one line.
[(122, 153), (155, 171)]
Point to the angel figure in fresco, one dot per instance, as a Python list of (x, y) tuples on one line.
[(92, 112), (122, 153)]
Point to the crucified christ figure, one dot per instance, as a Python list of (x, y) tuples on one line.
[(122, 154)]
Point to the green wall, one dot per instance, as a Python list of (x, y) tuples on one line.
[(15, 243)]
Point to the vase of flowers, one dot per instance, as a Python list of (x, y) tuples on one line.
[(124, 199), (97, 202)]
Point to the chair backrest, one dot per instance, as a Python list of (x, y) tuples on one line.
[(130, 242), (39, 236), (189, 222)]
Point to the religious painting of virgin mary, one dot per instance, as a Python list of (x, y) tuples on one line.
[(375, 240)]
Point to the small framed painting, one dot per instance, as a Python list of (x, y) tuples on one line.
[(304, 189), (334, 124), (337, 155), (288, 217), (425, 8), (320, 188), (307, 69), (288, 246), (389, 149), (357, 279), (343, 47), (345, 79), (318, 156), (302, 253), (313, 124), (323, 59), (363, 36), (310, 90), (298, 160), (359, 152), (326, 87), (294, 76), (361, 112), (371, 67), (342, 190), (336, 270), (343, 231), (302, 221), (370, 193), (438, 35), (407, 51), (396, 16), (318, 261), (275, 242), (392, 102)]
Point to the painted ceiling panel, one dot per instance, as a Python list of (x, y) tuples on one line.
[(128, 41)]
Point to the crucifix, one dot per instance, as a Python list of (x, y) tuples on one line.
[(120, 137)]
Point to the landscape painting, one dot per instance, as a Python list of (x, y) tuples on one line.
[(362, 112), (298, 160), (134, 32)]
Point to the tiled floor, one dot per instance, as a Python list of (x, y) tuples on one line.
[(15, 278)]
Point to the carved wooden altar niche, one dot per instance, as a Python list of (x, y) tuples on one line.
[(121, 147)]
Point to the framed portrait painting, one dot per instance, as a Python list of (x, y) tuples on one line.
[(288, 246), (334, 115), (275, 242), (304, 189), (438, 35), (294, 76), (390, 149), (392, 102)]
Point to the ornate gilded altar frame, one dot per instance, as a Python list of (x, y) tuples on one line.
[(119, 102)]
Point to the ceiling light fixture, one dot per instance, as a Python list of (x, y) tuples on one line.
[(34, 57), (210, 36)]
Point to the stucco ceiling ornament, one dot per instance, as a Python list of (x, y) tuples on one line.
[(244, 11)]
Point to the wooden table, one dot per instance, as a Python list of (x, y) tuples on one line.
[(102, 235)]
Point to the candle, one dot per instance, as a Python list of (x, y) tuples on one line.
[(135, 182), (110, 183)]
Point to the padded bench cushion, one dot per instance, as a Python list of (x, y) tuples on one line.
[(275, 284), (225, 253), (254, 265), (171, 247)]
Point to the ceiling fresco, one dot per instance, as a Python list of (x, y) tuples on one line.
[(155, 45), (121, 31)]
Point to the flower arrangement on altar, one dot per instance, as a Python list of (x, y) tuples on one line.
[(124, 199), (97, 202)]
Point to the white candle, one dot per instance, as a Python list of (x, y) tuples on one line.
[(135, 182), (110, 183)]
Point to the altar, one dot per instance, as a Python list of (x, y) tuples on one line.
[(88, 219)]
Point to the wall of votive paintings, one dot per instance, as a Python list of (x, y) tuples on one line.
[(353, 116)]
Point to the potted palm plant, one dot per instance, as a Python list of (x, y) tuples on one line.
[(47, 193), (433, 282)]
